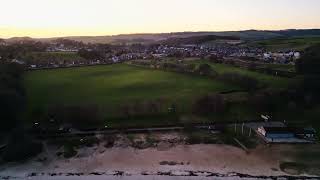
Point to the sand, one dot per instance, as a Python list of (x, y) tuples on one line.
[(175, 161), (221, 159)]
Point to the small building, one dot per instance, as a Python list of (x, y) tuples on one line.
[(18, 61), (276, 132)]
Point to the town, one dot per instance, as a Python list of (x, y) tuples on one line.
[(93, 54)]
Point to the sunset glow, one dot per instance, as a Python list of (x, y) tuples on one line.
[(51, 18)]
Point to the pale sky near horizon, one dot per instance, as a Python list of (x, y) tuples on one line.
[(53, 18)]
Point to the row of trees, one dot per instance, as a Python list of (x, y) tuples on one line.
[(91, 55), (12, 95), (202, 69), (309, 67), (12, 105), (20, 49), (243, 81)]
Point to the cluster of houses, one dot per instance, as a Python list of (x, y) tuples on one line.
[(219, 50), (281, 57), (228, 51)]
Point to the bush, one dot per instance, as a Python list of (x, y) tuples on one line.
[(190, 67), (206, 69), (20, 147), (69, 151), (169, 66), (12, 95)]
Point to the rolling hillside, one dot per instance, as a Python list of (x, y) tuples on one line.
[(156, 37)]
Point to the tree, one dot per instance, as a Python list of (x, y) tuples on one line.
[(89, 55), (190, 67), (20, 147), (206, 69), (309, 63), (309, 66), (12, 95), (11, 106)]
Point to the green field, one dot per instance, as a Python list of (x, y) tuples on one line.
[(281, 67), (283, 44), (271, 81), (112, 86)]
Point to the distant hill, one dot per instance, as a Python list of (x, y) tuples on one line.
[(196, 39), (19, 39), (158, 37)]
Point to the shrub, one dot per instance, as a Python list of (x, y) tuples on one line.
[(20, 147), (69, 151), (206, 69), (190, 67)]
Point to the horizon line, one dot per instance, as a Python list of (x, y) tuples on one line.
[(150, 33)]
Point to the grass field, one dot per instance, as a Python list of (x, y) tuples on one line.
[(282, 44), (112, 86), (271, 81)]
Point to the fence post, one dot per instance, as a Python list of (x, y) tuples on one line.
[(242, 128)]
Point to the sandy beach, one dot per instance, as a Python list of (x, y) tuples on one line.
[(165, 161)]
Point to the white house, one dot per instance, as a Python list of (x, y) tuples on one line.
[(18, 61), (296, 55)]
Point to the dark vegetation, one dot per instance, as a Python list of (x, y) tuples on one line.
[(202, 69), (20, 49), (70, 146), (45, 58), (12, 95), (19, 146), (196, 39), (76, 116), (90, 55), (152, 37), (309, 67)]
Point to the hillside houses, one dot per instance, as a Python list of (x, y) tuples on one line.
[(281, 57)]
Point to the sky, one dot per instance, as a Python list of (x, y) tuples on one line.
[(56, 18)]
